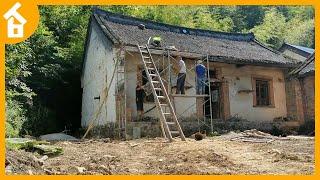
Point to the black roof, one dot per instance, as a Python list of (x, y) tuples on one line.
[(301, 50), (306, 68), (235, 47)]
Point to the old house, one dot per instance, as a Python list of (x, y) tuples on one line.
[(247, 79)]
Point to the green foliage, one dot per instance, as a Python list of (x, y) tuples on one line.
[(43, 73), (42, 147), (272, 30), (41, 120), (16, 116), (301, 32), (247, 17)]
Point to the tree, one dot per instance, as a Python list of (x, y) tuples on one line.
[(247, 17), (300, 33), (272, 30)]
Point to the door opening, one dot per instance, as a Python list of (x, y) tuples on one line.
[(215, 99)]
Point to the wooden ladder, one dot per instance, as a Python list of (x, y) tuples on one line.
[(169, 123)]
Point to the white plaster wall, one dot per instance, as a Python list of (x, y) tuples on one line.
[(186, 106), (98, 69), (241, 104)]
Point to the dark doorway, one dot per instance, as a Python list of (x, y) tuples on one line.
[(215, 99)]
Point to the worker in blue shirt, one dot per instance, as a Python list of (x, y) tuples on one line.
[(201, 77)]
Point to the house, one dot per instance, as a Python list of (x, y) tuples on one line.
[(301, 91), (298, 53), (247, 79), (15, 30)]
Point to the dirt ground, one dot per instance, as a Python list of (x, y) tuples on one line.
[(212, 155)]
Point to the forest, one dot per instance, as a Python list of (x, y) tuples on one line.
[(43, 92)]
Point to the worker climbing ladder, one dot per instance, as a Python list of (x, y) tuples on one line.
[(169, 123)]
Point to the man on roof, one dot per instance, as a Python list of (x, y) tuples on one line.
[(156, 41)]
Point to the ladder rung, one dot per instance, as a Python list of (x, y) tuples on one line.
[(158, 89), (174, 132), (142, 46), (144, 51), (148, 62), (164, 105), (153, 75), (171, 123), (155, 81), (146, 57), (151, 68), (166, 113), (161, 97)]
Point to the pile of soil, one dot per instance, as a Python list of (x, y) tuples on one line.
[(22, 162)]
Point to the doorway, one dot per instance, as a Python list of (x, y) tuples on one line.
[(215, 100)]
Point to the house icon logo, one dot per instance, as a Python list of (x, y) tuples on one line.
[(15, 22)]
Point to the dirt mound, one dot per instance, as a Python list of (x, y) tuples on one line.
[(199, 160), (22, 162)]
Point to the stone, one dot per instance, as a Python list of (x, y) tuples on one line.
[(136, 132), (58, 137), (81, 169), (43, 158), (9, 169)]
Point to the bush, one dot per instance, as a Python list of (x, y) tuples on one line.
[(41, 120), (15, 117)]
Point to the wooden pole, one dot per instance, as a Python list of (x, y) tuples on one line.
[(210, 97)]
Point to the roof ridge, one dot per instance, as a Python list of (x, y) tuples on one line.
[(130, 20), (304, 64), (294, 45), (302, 50)]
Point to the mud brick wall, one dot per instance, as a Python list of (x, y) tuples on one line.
[(294, 100), (300, 98), (308, 88)]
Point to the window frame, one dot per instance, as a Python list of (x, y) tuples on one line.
[(256, 78)]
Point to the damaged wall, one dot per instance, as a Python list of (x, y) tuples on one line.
[(241, 104), (308, 94), (133, 62), (300, 98)]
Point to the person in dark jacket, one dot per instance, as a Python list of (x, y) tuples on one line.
[(201, 77), (140, 94)]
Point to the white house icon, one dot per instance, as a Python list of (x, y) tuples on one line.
[(14, 30)]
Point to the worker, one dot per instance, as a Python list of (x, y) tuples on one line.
[(181, 76), (139, 100), (156, 41), (200, 77)]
